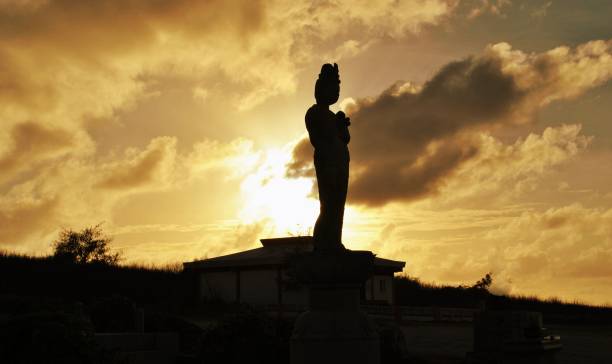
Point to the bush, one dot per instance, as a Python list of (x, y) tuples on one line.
[(484, 283), (45, 337), (87, 246), (113, 314), (246, 337)]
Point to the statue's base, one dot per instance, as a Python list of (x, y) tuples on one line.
[(334, 329)]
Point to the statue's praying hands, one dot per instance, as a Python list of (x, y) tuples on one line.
[(343, 122)]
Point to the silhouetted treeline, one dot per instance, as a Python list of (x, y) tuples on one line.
[(411, 292)]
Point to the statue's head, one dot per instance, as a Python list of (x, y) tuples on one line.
[(327, 88)]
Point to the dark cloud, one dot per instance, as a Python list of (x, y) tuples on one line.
[(32, 143), (25, 218), (301, 164), (144, 168), (140, 173), (407, 141), (382, 182), (104, 25), (46, 36)]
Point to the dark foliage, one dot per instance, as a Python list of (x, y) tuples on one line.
[(14, 305), (90, 245), (189, 333), (48, 277), (49, 337), (113, 314), (554, 310), (246, 337), (485, 282), (411, 292)]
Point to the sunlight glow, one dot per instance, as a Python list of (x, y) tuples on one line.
[(285, 203), (268, 194)]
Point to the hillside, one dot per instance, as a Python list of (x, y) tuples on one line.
[(169, 289)]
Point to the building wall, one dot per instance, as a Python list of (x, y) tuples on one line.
[(218, 285), (379, 288), (259, 286), (294, 294), (256, 286)]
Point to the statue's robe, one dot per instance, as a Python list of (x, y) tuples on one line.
[(329, 136)]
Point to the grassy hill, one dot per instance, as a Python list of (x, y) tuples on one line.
[(169, 289), (52, 309), (28, 276), (412, 292)]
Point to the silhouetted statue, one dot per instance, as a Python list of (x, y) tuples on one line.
[(329, 136)]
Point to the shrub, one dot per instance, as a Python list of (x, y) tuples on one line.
[(87, 246), (113, 314), (246, 337), (45, 337)]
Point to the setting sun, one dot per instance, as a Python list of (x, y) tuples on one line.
[(269, 195)]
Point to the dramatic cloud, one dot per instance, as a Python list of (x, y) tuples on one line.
[(62, 46), (410, 139), (561, 251), (556, 249), (19, 219), (495, 7), (62, 58), (501, 171), (32, 143), (64, 63), (85, 191), (155, 162)]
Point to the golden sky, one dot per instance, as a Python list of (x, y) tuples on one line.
[(481, 131)]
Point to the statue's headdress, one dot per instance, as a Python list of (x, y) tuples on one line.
[(329, 76), (329, 73)]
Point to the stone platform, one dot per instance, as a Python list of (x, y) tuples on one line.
[(334, 329)]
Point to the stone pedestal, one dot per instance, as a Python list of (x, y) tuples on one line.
[(334, 329)]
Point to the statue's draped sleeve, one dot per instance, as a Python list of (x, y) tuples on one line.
[(314, 130)]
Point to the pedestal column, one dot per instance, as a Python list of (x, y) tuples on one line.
[(334, 329)]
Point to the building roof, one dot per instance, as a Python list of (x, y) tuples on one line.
[(274, 252)]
